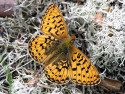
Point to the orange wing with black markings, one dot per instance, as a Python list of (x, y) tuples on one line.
[(59, 72), (39, 45), (82, 71), (53, 23)]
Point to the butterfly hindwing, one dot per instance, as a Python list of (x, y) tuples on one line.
[(82, 71), (53, 23), (58, 72)]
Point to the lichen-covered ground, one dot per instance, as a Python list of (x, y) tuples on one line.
[(103, 43)]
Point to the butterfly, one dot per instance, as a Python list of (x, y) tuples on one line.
[(55, 51)]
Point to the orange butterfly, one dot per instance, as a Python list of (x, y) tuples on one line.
[(61, 59)]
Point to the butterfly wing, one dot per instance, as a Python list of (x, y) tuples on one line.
[(39, 45), (82, 71), (58, 72), (53, 23)]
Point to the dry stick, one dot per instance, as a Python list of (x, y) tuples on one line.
[(45, 86)]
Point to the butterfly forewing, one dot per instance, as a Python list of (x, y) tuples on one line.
[(39, 46), (53, 23)]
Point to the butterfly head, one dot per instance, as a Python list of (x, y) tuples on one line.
[(71, 38)]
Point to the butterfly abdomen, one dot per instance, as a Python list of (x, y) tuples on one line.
[(59, 50)]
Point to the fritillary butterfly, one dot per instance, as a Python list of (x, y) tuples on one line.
[(61, 59)]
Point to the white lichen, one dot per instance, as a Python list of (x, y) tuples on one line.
[(20, 88)]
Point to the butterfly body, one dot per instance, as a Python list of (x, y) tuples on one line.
[(61, 59), (58, 50)]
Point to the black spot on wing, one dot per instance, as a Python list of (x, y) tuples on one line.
[(57, 32), (73, 59), (57, 16), (74, 69), (49, 29), (60, 21), (84, 61)]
